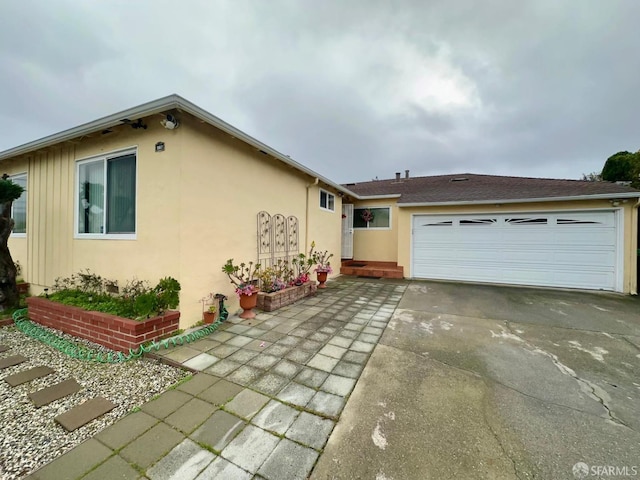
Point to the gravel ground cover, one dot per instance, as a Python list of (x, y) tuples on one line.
[(29, 437)]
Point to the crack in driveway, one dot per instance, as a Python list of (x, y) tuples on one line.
[(590, 388)]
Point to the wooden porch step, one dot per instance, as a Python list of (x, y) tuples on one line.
[(28, 375), (12, 361), (84, 413), (55, 392)]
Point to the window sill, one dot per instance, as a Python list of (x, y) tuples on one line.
[(364, 229), (18, 235), (327, 209), (108, 236)]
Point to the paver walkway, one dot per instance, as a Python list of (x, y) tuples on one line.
[(268, 396)]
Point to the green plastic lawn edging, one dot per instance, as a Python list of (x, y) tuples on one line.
[(82, 352)]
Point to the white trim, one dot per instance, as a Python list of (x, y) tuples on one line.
[(364, 229), (104, 157), (326, 209), (600, 196), (378, 197), (26, 205), (618, 221)]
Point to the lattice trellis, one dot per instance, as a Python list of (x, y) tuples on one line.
[(277, 238)]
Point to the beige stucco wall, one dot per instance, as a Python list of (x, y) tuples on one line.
[(197, 204), (224, 184), (325, 227), (628, 212), (377, 244)]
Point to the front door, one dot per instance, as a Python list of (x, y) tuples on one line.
[(347, 230)]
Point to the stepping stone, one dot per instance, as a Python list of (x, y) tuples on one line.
[(82, 414), (11, 361), (3, 348), (56, 392), (28, 375)]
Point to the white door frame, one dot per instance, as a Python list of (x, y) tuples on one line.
[(347, 231)]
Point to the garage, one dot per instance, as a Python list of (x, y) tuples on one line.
[(552, 249)]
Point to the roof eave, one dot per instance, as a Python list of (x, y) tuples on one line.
[(158, 106), (599, 196), (146, 109), (376, 197)]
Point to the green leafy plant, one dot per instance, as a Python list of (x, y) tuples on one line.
[(243, 276), (146, 304), (168, 293), (136, 300), (322, 259)]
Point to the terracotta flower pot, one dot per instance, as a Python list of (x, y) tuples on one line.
[(247, 303), (208, 317), (322, 278)]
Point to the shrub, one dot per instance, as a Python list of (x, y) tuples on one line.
[(137, 300)]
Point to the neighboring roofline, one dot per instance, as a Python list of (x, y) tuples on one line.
[(598, 196), (158, 106)]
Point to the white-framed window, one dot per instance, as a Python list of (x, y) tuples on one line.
[(19, 207), (327, 201), (106, 196), (372, 218)]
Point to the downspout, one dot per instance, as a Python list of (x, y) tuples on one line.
[(306, 220), (635, 246)]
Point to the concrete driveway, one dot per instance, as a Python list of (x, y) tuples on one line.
[(474, 381)]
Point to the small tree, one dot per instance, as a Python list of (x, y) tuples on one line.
[(9, 296), (591, 177), (622, 166)]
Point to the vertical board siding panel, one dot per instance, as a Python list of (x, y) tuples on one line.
[(67, 213), (41, 167), (50, 230), (32, 209), (51, 218)]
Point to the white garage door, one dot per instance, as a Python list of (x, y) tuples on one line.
[(560, 249)]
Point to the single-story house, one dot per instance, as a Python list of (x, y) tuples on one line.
[(496, 229), (168, 189), (163, 189)]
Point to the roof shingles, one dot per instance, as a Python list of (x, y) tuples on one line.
[(471, 188)]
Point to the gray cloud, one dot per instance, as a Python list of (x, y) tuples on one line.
[(353, 89)]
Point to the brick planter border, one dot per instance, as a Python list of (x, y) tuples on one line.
[(273, 301), (109, 330)]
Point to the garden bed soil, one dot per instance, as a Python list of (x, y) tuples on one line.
[(273, 301), (105, 329)]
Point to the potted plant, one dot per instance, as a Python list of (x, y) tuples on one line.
[(324, 267), (302, 265), (209, 308), (244, 277)]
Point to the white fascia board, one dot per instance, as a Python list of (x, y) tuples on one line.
[(376, 197), (158, 106), (600, 196)]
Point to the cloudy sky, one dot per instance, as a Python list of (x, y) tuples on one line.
[(354, 89)]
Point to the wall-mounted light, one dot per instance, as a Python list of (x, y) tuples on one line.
[(614, 202), (170, 122), (160, 147)]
